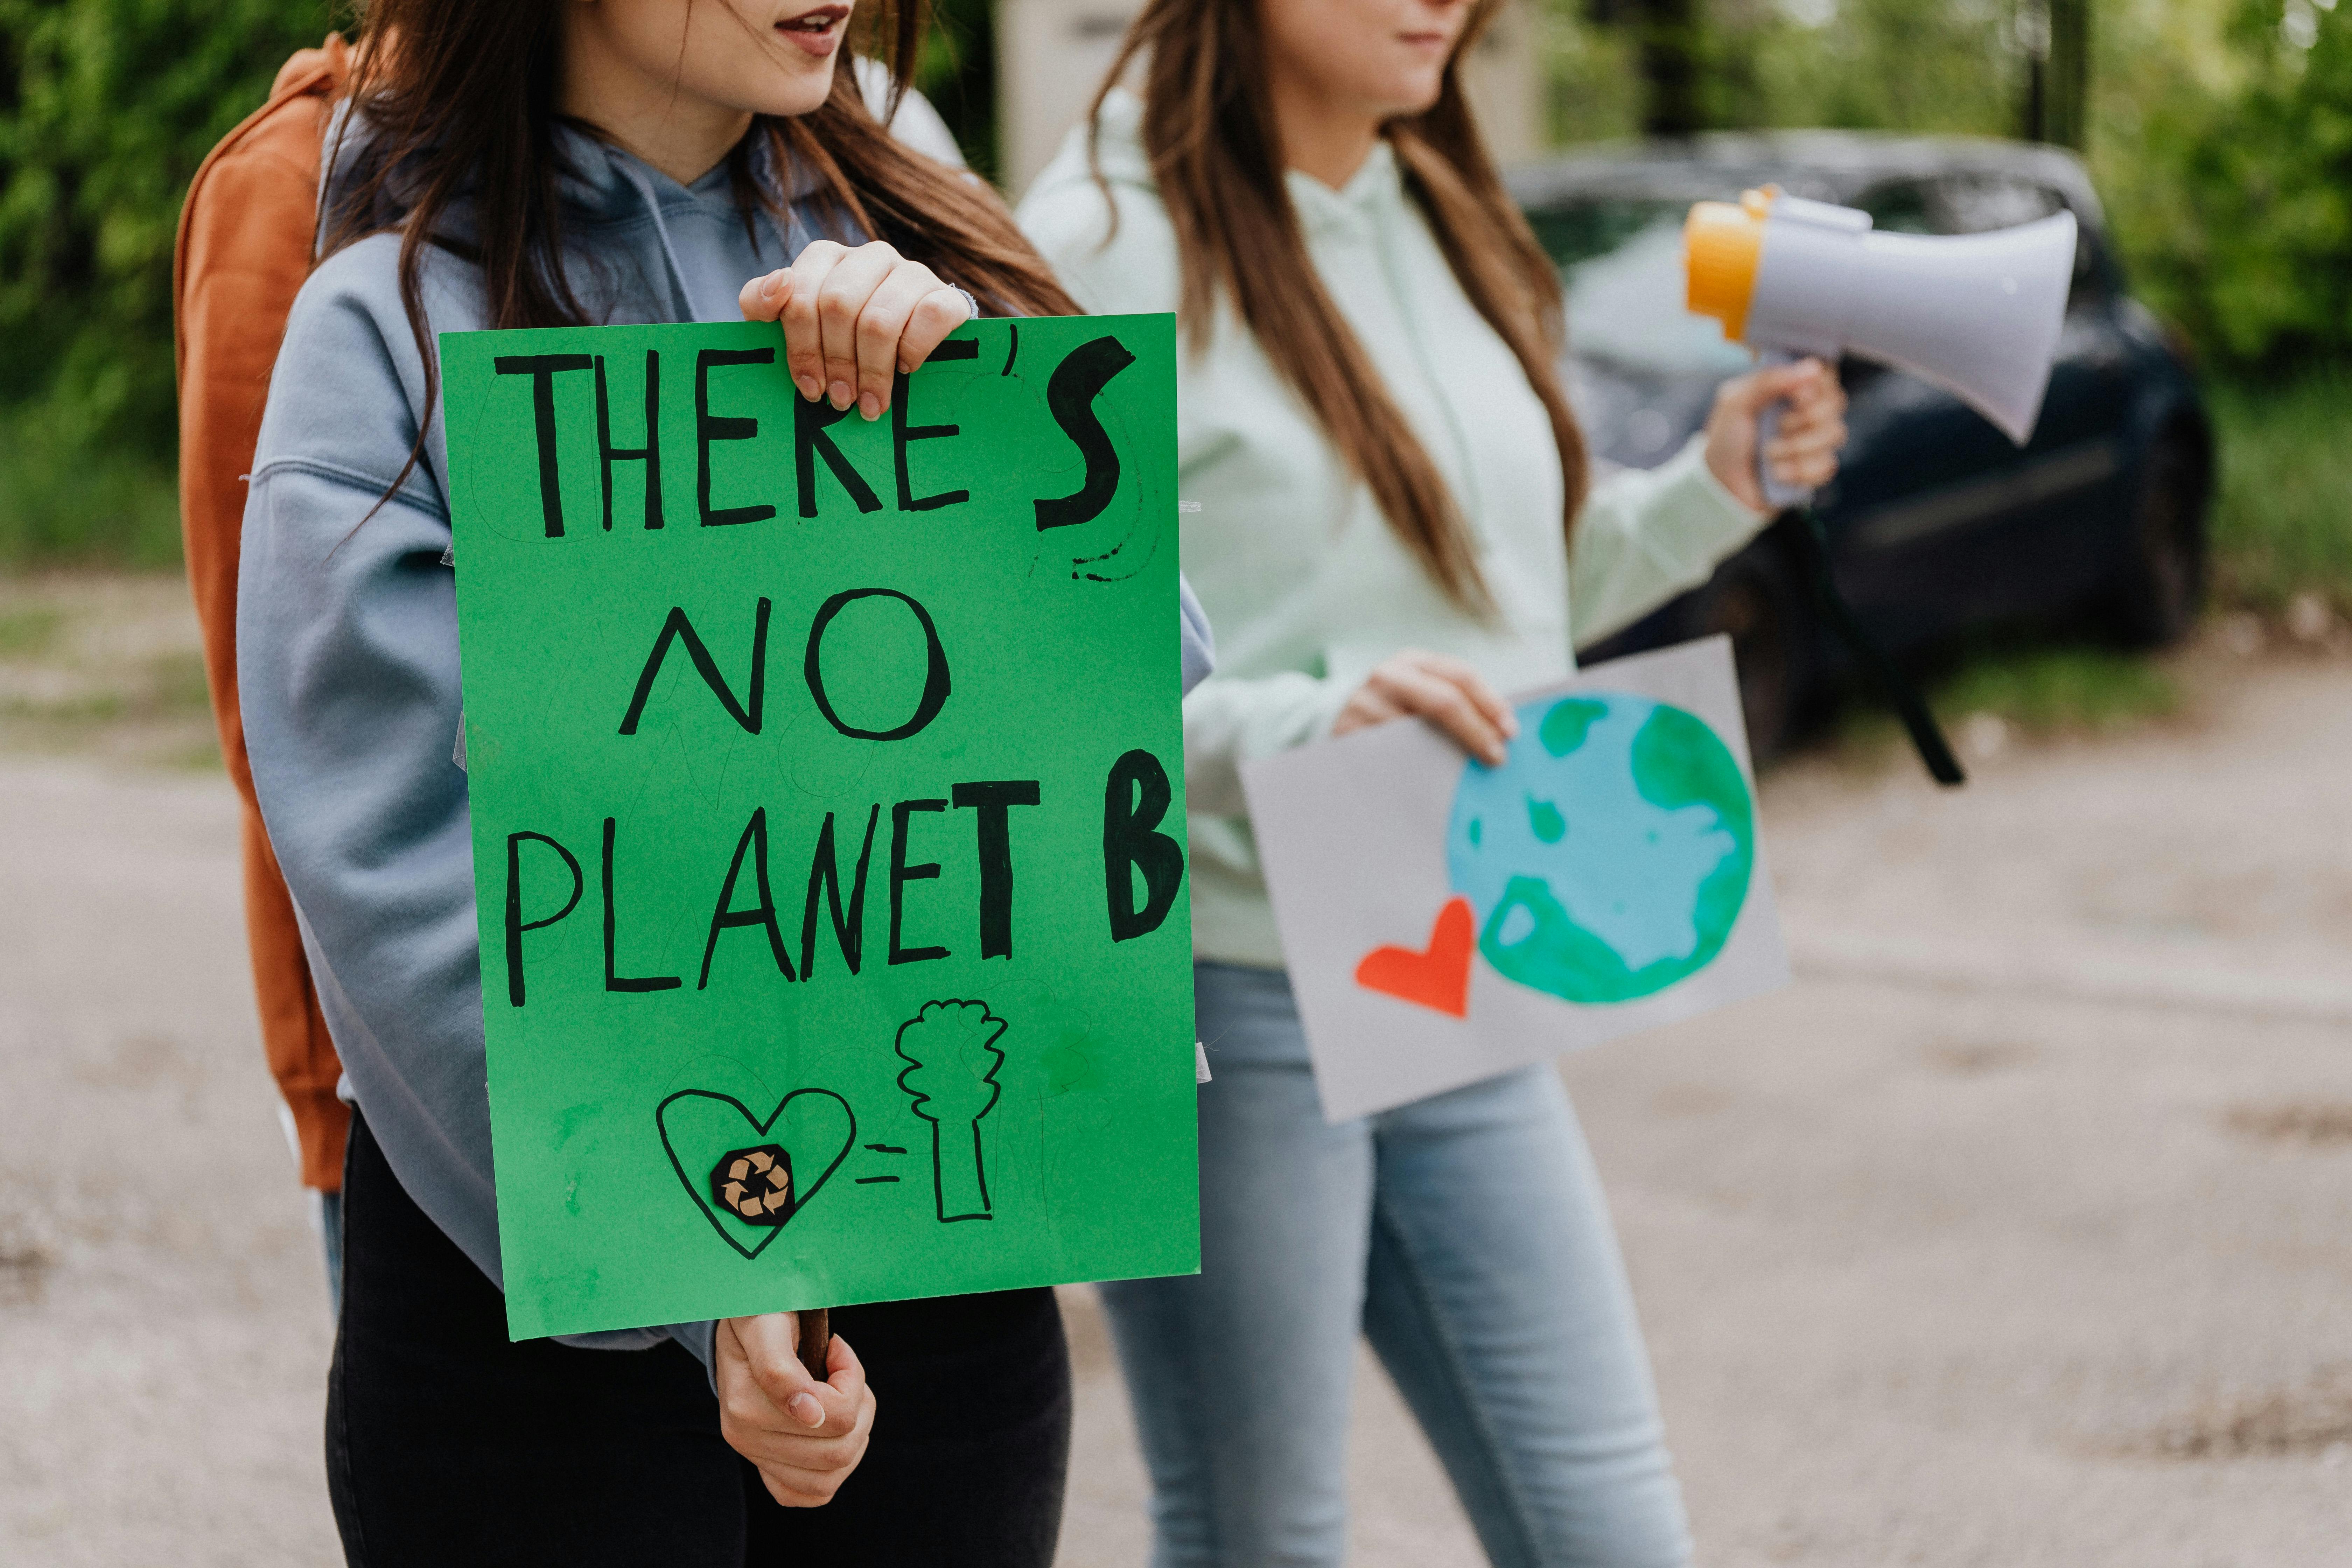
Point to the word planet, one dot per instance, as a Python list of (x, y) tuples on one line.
[(1609, 856)]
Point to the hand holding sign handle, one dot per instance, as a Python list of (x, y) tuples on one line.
[(805, 1428)]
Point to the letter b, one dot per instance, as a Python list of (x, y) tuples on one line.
[(1134, 800)]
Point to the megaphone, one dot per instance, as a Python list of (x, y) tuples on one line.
[(1976, 314)]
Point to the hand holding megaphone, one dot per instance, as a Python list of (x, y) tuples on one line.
[(1978, 315), (1784, 424)]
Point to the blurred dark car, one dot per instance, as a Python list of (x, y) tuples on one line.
[(1938, 523)]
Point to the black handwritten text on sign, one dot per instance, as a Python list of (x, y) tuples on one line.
[(828, 817)]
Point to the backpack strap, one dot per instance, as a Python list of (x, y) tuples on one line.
[(247, 235)]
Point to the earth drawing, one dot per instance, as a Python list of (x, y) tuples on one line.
[(1609, 856)]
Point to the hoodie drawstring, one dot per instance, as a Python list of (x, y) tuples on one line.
[(681, 300)]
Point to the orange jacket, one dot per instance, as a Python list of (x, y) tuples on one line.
[(247, 234)]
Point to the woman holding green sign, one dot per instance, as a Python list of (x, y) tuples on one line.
[(542, 162), (1393, 519)]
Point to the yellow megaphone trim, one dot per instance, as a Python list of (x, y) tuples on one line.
[(1722, 243)]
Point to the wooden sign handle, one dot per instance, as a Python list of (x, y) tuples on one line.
[(816, 1334)]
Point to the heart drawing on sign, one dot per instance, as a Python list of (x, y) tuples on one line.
[(748, 1176), (1437, 976)]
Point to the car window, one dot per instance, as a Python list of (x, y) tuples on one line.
[(1959, 204), (1579, 231), (1621, 268), (1978, 203), (1901, 208)]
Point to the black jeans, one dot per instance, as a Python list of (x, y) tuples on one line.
[(448, 1446)]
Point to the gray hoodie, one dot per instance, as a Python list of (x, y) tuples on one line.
[(347, 650)]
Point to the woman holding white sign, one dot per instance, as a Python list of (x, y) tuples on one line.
[(1391, 519), (545, 162)]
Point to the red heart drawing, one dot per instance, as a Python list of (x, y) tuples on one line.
[(1437, 976)]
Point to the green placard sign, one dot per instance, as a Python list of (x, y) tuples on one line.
[(828, 796)]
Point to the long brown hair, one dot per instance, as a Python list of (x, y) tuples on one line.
[(1216, 156), (459, 100)]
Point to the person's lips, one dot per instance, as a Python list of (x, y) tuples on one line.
[(816, 30)]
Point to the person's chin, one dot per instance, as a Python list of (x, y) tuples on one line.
[(800, 90), (1415, 90), (1419, 102)]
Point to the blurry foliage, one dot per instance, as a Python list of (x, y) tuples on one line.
[(66, 494), (2230, 171), (1592, 94), (1941, 66), (106, 108), (29, 631), (2027, 685), (2280, 522), (2048, 691), (958, 74), (1907, 65)]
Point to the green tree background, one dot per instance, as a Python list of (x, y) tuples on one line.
[(2220, 132), (106, 108)]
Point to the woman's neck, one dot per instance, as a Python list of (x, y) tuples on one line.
[(683, 136), (1325, 140)]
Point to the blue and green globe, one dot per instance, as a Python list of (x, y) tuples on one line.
[(1609, 856)]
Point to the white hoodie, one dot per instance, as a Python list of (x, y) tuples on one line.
[(1308, 586)]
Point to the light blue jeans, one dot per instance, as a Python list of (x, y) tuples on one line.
[(1468, 1238), (327, 1210)]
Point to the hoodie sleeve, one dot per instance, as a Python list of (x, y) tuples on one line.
[(1228, 722), (1647, 534), (347, 663), (1200, 642)]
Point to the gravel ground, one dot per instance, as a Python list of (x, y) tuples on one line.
[(2018, 1232)]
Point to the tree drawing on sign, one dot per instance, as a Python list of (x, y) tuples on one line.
[(951, 1051)]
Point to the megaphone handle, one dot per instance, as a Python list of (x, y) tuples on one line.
[(1918, 720), (1767, 424)]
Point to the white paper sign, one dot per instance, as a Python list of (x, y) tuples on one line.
[(1445, 921)]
